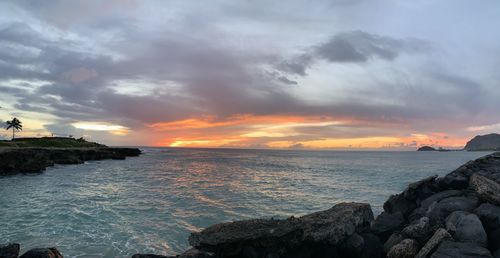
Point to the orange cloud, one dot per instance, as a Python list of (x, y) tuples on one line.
[(286, 132)]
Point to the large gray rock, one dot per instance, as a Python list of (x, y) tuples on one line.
[(466, 227), (419, 229), (489, 215), (487, 189), (437, 212), (279, 236), (9, 251), (449, 249), (51, 252), (438, 197), (439, 236), (407, 248)]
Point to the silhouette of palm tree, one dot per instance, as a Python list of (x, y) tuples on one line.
[(15, 124)]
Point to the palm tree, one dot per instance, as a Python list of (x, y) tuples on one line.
[(15, 124)]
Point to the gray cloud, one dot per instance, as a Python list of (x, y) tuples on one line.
[(353, 47)]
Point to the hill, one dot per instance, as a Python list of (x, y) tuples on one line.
[(488, 142)]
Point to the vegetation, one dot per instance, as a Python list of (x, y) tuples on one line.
[(50, 142), (14, 124)]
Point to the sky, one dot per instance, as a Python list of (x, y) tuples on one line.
[(326, 74)]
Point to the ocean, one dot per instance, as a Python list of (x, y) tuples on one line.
[(149, 204)]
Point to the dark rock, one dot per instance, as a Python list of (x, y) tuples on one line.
[(34, 160), (151, 256), (466, 227), (393, 240), (9, 251), (496, 254), (386, 223), (275, 237), (437, 212), (51, 252), (494, 239), (398, 203), (407, 248), (488, 142), (487, 190), (362, 246), (426, 148), (439, 236), (419, 229), (449, 249), (438, 197), (421, 189), (489, 215), (195, 253)]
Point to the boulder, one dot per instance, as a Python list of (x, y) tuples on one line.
[(419, 229), (449, 249), (439, 236), (51, 252), (487, 189), (397, 203), (151, 256), (421, 189), (407, 248), (489, 215), (9, 251), (438, 197), (272, 237), (386, 223), (437, 212), (466, 227), (393, 240)]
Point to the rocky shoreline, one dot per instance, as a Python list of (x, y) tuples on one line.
[(457, 215), (35, 160)]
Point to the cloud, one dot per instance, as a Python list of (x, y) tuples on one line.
[(353, 47)]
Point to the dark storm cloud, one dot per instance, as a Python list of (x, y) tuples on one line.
[(353, 47)]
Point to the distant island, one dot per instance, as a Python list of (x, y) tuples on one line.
[(32, 155), (426, 148), (488, 142)]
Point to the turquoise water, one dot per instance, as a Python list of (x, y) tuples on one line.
[(149, 204)]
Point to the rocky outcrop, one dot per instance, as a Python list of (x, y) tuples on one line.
[(33, 160), (308, 236), (488, 142)]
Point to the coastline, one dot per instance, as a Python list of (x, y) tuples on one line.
[(15, 160)]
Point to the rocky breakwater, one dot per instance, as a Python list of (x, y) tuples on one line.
[(457, 215), (32, 160)]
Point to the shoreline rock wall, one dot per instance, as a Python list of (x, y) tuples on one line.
[(35, 160)]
